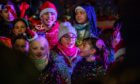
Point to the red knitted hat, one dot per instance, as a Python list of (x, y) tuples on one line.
[(48, 7)]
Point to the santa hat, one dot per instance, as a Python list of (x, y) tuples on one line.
[(119, 50), (48, 7), (31, 35), (65, 28)]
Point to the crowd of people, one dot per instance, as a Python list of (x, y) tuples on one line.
[(59, 52)]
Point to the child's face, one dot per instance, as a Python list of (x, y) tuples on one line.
[(22, 45), (19, 28), (68, 40), (85, 49), (7, 15), (81, 16), (48, 19), (38, 49)]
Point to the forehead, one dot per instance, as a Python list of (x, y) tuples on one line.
[(19, 22), (70, 34), (39, 42), (20, 41), (85, 42)]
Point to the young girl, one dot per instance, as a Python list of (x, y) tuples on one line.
[(88, 70), (21, 44), (7, 15), (39, 52), (85, 18), (65, 53), (48, 17), (20, 26)]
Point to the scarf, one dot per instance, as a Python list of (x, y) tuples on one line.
[(40, 63), (83, 31), (81, 26), (52, 35), (71, 52)]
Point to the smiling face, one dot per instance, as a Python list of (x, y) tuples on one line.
[(68, 40), (48, 19), (81, 16), (39, 49), (19, 28)]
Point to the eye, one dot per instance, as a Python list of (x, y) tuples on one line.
[(42, 48), (34, 48), (16, 27), (23, 46), (23, 27)]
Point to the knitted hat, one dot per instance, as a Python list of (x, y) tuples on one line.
[(48, 7), (65, 28), (79, 8)]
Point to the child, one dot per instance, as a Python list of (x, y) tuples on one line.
[(20, 26), (21, 44), (39, 52), (48, 16), (88, 70), (65, 53), (7, 15), (85, 19)]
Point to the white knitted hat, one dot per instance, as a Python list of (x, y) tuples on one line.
[(65, 28), (79, 8)]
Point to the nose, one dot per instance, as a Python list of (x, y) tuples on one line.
[(20, 30)]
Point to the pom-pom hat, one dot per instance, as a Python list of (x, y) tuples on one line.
[(48, 7)]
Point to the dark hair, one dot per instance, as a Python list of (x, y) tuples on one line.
[(21, 36), (16, 67), (99, 52), (106, 36), (21, 19), (92, 41)]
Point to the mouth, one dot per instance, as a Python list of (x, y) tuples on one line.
[(39, 55)]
